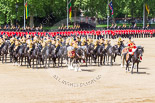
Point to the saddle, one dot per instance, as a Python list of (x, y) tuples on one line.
[(127, 56)]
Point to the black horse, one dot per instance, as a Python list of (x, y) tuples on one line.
[(36, 51), (90, 53), (101, 52), (20, 54), (4, 51), (11, 48)]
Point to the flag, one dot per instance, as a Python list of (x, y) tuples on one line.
[(111, 8), (26, 9), (147, 8), (70, 10)]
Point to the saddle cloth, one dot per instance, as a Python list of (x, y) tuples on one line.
[(71, 51), (71, 54), (127, 56), (125, 50)]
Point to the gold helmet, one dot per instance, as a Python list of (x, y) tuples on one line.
[(106, 41), (119, 39), (75, 45), (96, 42)]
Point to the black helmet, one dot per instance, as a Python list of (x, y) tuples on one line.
[(130, 37)]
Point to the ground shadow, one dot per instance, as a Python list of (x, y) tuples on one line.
[(143, 68), (90, 70), (141, 73)]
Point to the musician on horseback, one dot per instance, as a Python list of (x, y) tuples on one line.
[(24, 39), (58, 45), (2, 41), (83, 42), (90, 40), (101, 41), (17, 44), (30, 45), (119, 41), (107, 43), (96, 45), (12, 40)]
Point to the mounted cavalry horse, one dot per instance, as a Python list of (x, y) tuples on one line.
[(121, 46), (75, 55), (4, 50), (111, 51), (99, 51), (134, 58), (132, 54)]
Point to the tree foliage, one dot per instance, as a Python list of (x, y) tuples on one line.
[(92, 8)]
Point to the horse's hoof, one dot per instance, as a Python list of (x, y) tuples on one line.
[(79, 70), (16, 64), (76, 70)]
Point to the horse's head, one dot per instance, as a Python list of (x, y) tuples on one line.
[(140, 51), (80, 53), (116, 49), (91, 48)]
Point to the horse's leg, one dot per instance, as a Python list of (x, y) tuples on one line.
[(49, 62), (33, 63), (54, 62), (104, 60), (89, 59), (28, 62), (72, 61), (10, 58), (98, 57), (108, 59), (112, 59), (37, 63), (25, 60), (45, 62), (21, 60), (132, 68), (101, 59), (58, 61), (137, 66), (78, 66), (5, 58), (61, 61), (115, 57), (127, 64), (86, 61), (121, 60)]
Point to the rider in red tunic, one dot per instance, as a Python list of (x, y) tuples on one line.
[(131, 47)]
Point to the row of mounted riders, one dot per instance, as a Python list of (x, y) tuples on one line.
[(68, 50)]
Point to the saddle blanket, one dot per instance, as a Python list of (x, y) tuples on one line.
[(71, 54)]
